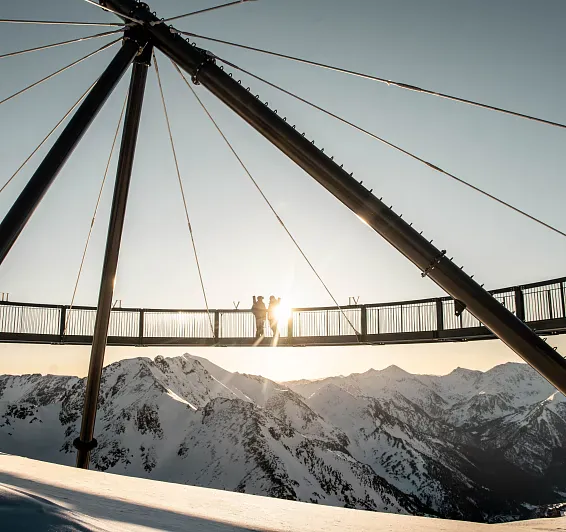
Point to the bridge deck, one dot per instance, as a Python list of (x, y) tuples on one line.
[(542, 305)]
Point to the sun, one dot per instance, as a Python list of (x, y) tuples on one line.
[(283, 311)]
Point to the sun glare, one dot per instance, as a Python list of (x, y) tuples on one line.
[(362, 220), (283, 312)]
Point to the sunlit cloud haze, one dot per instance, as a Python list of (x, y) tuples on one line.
[(285, 363)]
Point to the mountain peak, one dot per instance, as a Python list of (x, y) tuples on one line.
[(508, 367), (465, 372), (394, 371)]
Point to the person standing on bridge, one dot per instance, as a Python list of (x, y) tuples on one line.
[(259, 311), (273, 314)]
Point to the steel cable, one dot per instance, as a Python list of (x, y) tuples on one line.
[(398, 148), (242, 164), (95, 4), (61, 23), (228, 4), (182, 193), (381, 80), (59, 71), (47, 136), (68, 316), (62, 43)]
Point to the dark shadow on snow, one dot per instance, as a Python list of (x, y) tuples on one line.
[(20, 510)]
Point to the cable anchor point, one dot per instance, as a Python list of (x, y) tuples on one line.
[(433, 263), (209, 57)]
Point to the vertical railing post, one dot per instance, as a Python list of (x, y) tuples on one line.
[(62, 322), (216, 325), (290, 325), (141, 326), (549, 301), (439, 315), (364, 322), (519, 303), (562, 300)]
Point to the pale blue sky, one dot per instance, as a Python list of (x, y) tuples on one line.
[(507, 53)]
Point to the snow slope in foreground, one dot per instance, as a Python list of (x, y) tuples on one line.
[(42, 496)]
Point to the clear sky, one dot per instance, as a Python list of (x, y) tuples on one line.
[(507, 53)]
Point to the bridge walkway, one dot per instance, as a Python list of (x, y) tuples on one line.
[(541, 305)]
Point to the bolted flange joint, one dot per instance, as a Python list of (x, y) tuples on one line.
[(433, 263), (208, 57), (84, 445), (141, 37)]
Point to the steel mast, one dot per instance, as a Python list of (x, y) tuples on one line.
[(86, 441)]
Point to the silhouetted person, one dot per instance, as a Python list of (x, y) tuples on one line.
[(259, 311), (272, 314)]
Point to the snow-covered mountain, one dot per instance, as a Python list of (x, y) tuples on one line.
[(177, 421), (469, 445), (503, 429)]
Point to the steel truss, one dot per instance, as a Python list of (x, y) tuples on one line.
[(149, 31)]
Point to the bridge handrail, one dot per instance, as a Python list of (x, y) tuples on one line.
[(495, 291), (532, 302)]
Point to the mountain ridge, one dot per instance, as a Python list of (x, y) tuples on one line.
[(383, 440)]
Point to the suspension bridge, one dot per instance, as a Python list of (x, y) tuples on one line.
[(517, 315), (541, 305)]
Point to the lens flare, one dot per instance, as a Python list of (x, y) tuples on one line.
[(283, 312)]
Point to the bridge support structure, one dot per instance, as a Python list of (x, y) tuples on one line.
[(86, 441), (149, 31), (432, 262), (32, 194)]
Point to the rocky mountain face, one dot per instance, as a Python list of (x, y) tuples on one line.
[(471, 445)]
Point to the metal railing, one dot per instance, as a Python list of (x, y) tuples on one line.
[(411, 316), (326, 322), (177, 324), (542, 305)]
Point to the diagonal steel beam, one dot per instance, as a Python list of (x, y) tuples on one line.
[(28, 200), (86, 441), (428, 258)]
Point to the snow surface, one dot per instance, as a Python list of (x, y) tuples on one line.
[(42, 496)]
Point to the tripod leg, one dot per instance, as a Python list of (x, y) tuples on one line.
[(85, 443), (30, 197)]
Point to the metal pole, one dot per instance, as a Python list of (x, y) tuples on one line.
[(62, 321), (519, 303), (439, 315), (364, 322), (429, 259), (30, 197), (216, 326), (141, 326), (85, 443)]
